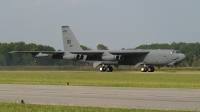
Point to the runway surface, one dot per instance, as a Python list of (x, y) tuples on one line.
[(155, 98)]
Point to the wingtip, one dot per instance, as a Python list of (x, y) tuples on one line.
[(13, 52)]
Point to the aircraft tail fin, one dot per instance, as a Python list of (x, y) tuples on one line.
[(69, 40)]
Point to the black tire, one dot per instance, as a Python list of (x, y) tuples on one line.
[(152, 69), (143, 69), (103, 68), (109, 69), (149, 69)]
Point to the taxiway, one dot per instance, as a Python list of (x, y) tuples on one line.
[(155, 98)]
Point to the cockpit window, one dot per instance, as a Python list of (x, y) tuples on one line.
[(175, 51)]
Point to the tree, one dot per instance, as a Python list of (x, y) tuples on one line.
[(102, 47), (85, 47)]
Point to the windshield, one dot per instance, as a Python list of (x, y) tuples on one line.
[(175, 51)]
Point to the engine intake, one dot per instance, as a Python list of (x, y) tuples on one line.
[(119, 57), (73, 56), (113, 58)]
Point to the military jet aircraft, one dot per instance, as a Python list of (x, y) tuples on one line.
[(105, 58)]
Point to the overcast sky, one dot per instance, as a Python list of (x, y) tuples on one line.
[(115, 23)]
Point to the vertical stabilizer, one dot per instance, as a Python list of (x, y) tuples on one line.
[(69, 40)]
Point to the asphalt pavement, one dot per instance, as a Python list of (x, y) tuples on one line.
[(125, 97)]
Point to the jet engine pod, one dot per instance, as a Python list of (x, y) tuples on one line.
[(121, 58), (78, 56), (113, 58), (73, 56), (116, 57)]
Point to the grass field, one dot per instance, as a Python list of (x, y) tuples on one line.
[(16, 107), (114, 79), (170, 79)]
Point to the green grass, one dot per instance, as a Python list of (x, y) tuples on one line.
[(89, 68), (169, 79), (16, 107)]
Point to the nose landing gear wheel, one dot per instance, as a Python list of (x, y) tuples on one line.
[(109, 69), (102, 69), (143, 69), (36, 60), (151, 69)]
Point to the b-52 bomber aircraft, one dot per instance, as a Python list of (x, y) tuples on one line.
[(105, 58)]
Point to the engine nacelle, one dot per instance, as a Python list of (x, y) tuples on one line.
[(119, 57), (73, 56), (113, 58)]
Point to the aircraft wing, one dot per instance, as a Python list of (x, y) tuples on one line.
[(130, 53), (87, 52), (36, 52), (121, 52)]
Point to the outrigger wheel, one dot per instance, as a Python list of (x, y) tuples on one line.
[(36, 60)]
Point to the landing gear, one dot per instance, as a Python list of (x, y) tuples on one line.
[(147, 68), (109, 68), (143, 69), (36, 60), (104, 68), (150, 69)]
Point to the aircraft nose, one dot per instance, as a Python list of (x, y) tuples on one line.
[(181, 56)]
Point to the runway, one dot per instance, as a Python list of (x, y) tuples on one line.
[(154, 98)]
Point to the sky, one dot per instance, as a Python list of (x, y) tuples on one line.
[(116, 24)]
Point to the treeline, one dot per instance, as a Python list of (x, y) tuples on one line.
[(191, 50), (8, 59)]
